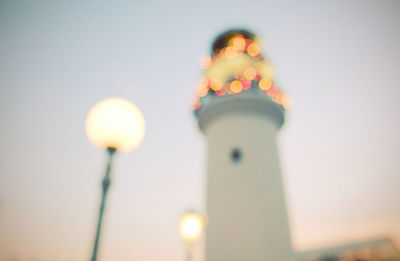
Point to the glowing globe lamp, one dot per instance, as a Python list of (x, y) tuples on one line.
[(115, 123), (191, 226)]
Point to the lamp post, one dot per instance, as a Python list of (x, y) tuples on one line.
[(113, 124), (191, 227)]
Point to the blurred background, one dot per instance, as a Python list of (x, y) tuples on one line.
[(338, 60)]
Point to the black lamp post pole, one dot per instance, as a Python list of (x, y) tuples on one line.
[(189, 254), (105, 186)]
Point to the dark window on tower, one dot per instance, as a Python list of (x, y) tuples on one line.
[(236, 155)]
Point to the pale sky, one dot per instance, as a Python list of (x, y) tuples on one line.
[(340, 145)]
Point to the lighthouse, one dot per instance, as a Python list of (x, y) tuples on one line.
[(240, 110)]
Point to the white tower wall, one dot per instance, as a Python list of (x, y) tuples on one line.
[(245, 198)]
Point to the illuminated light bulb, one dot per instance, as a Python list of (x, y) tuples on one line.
[(230, 52), (246, 84), (278, 97), (205, 62), (191, 226), (202, 88), (115, 123), (272, 91), (265, 84), (249, 73), (238, 43), (236, 86), (253, 50)]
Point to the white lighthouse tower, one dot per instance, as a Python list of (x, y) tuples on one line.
[(240, 110)]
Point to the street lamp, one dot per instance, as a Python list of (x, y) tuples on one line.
[(191, 226), (113, 124)]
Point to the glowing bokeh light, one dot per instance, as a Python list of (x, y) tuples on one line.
[(272, 91), (115, 123), (253, 50), (239, 43), (202, 88), (278, 97), (230, 52), (191, 226), (265, 84), (249, 73), (236, 86), (246, 84)]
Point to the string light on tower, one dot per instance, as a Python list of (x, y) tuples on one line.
[(241, 55)]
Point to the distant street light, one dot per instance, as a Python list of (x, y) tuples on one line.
[(113, 124), (191, 227)]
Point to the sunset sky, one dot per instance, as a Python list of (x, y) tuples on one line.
[(339, 147)]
